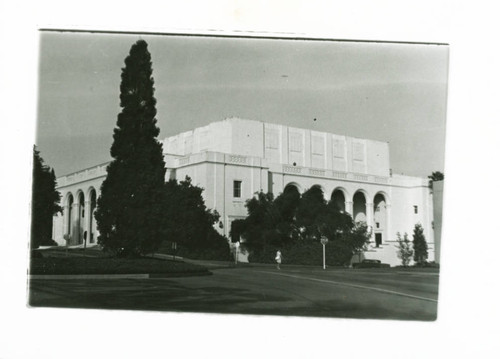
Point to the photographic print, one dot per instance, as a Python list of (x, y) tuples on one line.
[(238, 175)]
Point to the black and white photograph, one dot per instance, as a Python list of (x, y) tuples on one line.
[(249, 179), (238, 174)]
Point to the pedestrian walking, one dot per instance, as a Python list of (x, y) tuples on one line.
[(278, 259)]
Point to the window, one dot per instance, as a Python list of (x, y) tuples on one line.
[(415, 209), (378, 224), (237, 189)]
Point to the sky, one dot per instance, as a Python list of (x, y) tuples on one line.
[(390, 92)]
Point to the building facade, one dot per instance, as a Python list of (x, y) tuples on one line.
[(235, 158)]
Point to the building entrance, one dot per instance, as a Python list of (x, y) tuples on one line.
[(378, 239)]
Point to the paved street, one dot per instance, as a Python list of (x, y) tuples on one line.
[(301, 291)]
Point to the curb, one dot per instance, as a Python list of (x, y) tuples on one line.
[(116, 276)]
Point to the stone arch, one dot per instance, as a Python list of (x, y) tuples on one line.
[(339, 199), (293, 184), (380, 217), (383, 194), (359, 201)]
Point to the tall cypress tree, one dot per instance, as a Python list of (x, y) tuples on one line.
[(44, 202), (128, 211)]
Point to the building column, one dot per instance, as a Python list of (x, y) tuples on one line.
[(349, 208), (66, 226), (88, 217), (369, 219), (388, 222)]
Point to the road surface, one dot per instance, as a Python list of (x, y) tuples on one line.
[(298, 291)]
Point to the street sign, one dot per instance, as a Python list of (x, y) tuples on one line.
[(324, 240)]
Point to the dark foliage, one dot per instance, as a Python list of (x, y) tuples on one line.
[(189, 223), (186, 219), (427, 265), (436, 176), (44, 202), (311, 208), (288, 204), (310, 252), (261, 222), (370, 263), (419, 245), (295, 224), (237, 230), (129, 210)]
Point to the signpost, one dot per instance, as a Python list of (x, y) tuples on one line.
[(324, 241)]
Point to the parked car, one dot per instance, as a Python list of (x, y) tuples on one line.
[(370, 263)]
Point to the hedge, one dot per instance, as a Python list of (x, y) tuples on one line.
[(304, 253)]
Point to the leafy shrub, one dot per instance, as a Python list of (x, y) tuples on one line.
[(305, 253), (427, 265), (216, 247), (405, 252)]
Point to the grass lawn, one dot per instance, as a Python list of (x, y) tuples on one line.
[(103, 265)]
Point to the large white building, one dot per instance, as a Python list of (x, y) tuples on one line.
[(234, 158)]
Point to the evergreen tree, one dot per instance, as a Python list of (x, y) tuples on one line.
[(129, 210), (419, 245), (44, 202)]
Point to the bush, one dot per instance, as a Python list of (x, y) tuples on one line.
[(371, 263), (266, 255), (304, 253), (405, 252), (216, 247), (427, 265)]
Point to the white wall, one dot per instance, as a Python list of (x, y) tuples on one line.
[(284, 145), (252, 152)]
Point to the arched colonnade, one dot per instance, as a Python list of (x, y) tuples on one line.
[(78, 216), (374, 209)]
